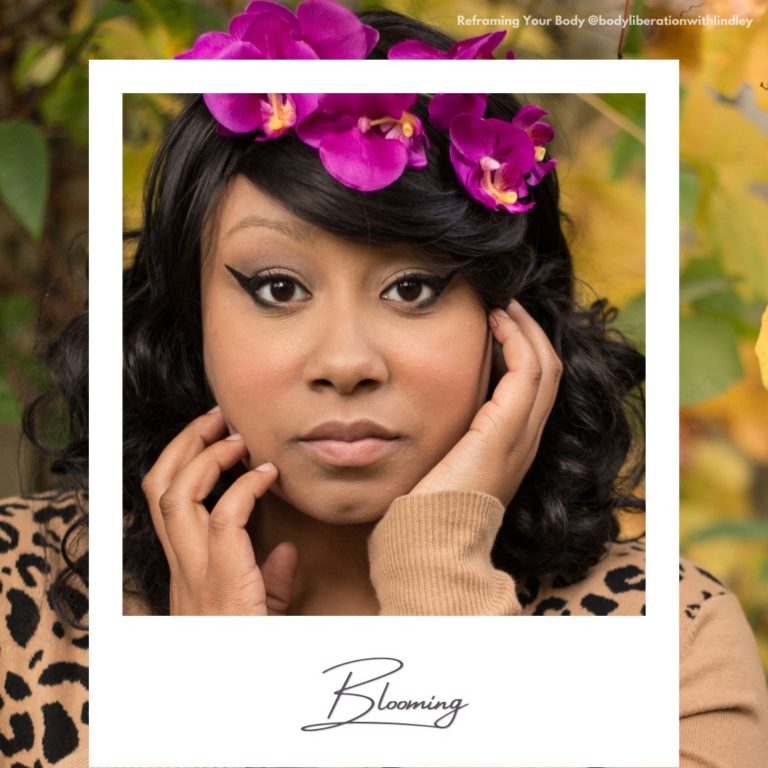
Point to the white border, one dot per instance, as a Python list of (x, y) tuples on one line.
[(565, 691)]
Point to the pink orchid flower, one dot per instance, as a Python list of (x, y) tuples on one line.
[(492, 159), (320, 29), (366, 141), (480, 47)]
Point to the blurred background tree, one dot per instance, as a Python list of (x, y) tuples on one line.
[(44, 50)]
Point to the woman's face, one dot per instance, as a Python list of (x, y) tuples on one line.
[(353, 368)]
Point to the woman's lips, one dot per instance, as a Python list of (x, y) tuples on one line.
[(350, 453)]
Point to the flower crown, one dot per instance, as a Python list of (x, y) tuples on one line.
[(366, 141)]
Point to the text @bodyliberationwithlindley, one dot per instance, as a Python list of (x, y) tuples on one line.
[(577, 21)]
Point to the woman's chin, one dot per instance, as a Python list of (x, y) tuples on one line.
[(342, 504)]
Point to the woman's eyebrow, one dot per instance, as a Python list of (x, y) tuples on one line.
[(296, 230)]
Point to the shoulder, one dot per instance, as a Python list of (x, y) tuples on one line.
[(43, 693), (614, 586), (713, 626), (714, 631), (32, 529), (723, 694), (697, 586), (21, 517)]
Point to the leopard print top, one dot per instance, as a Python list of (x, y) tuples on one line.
[(616, 586), (43, 662), (44, 678)]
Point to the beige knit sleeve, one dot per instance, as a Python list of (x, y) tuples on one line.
[(723, 695), (431, 555)]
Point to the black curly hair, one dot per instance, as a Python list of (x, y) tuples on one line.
[(591, 455), (66, 365)]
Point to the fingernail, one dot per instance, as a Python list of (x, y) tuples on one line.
[(234, 436), (215, 409), (265, 467), (497, 314)]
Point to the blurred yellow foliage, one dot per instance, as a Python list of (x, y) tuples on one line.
[(715, 484), (609, 219), (136, 161), (761, 350), (721, 144), (737, 57), (445, 14), (742, 410), (744, 8), (715, 487), (631, 524), (724, 153)]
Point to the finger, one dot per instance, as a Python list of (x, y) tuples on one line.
[(190, 441), (511, 402), (230, 551), (551, 366), (279, 572), (185, 517)]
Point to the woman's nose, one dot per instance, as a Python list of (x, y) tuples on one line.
[(345, 355)]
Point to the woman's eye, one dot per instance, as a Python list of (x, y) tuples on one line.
[(409, 290), (270, 289), (419, 291), (280, 290)]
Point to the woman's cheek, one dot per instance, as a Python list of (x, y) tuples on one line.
[(454, 380), (247, 381)]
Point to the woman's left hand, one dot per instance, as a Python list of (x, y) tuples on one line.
[(501, 443)]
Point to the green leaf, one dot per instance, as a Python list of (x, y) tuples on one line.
[(66, 105), (631, 321), (631, 105), (755, 530), (24, 173), (690, 187), (702, 278), (626, 149), (709, 358), (203, 18), (635, 38), (10, 410), (693, 290), (703, 267), (706, 289), (762, 574), (179, 17), (113, 9), (15, 312), (37, 65), (729, 306)]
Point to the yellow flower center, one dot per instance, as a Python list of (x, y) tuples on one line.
[(406, 125), (540, 152), (283, 113), (492, 182)]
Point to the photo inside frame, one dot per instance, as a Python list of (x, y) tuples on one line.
[(316, 211)]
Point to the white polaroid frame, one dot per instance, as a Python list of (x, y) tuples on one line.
[(236, 691)]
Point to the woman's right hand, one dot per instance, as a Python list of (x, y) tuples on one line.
[(210, 555)]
